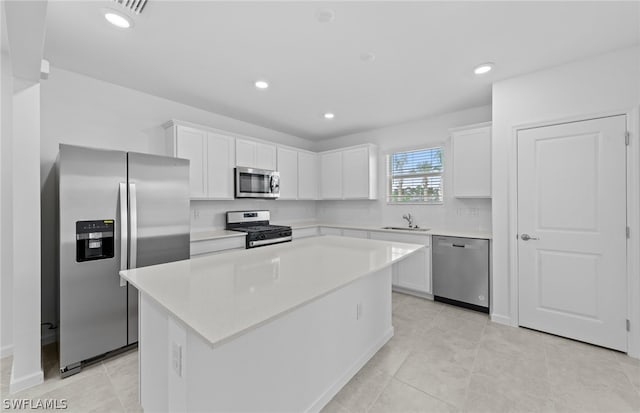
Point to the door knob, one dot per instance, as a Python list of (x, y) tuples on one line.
[(526, 237)]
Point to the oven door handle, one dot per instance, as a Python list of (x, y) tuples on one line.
[(269, 241)]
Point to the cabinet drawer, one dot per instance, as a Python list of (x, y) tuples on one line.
[(421, 239), (215, 245)]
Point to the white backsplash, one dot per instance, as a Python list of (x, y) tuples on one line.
[(206, 215), (455, 214)]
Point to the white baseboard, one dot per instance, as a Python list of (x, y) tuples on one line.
[(501, 319), (26, 381), (412, 292), (351, 371), (6, 351)]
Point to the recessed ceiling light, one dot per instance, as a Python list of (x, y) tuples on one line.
[(329, 115), (325, 15), (483, 68), (117, 19), (261, 84)]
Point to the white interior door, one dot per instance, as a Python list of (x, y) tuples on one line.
[(572, 205)]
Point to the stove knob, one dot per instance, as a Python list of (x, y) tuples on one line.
[(261, 236)]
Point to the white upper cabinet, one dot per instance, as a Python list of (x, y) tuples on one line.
[(252, 154), (357, 177), (307, 175), (472, 161), (349, 173), (220, 156), (211, 160), (288, 168), (191, 144), (331, 175)]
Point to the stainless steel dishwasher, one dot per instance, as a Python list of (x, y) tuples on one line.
[(461, 271)]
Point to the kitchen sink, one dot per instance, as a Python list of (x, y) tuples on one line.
[(407, 229)]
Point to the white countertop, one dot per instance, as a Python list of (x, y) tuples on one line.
[(222, 296), (431, 231), (221, 233)]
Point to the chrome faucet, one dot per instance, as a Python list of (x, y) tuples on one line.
[(409, 219)]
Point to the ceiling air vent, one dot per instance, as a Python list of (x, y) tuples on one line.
[(135, 6)]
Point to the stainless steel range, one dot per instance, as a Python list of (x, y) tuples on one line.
[(256, 225)]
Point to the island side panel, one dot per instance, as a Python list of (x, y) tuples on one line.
[(153, 354), (296, 362)]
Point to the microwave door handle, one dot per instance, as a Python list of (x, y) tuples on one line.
[(124, 231)]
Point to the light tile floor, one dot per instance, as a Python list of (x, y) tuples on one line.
[(441, 359)]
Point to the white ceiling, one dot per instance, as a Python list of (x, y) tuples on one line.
[(208, 54)]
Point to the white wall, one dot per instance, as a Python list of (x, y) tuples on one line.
[(6, 210), (609, 82), (455, 213), (26, 369), (80, 110)]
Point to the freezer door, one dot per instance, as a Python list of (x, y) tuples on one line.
[(92, 305), (159, 217)]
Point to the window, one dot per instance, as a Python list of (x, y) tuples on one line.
[(415, 176)]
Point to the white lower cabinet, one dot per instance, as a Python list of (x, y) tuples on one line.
[(330, 231), (355, 233), (298, 233), (414, 272)]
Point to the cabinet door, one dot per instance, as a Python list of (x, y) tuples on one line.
[(331, 175), (288, 168), (413, 271), (330, 231), (307, 175), (245, 153), (191, 145), (220, 161), (265, 156), (472, 163), (355, 164)]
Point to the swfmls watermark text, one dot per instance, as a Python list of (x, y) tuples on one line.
[(34, 404)]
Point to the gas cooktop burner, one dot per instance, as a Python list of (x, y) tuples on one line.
[(256, 225)]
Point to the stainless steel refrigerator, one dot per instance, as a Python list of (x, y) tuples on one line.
[(117, 210)]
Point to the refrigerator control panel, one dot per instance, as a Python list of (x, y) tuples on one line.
[(94, 240)]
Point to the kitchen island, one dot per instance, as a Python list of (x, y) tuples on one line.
[(278, 328)]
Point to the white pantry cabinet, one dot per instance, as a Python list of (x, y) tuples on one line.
[(288, 168), (211, 159), (253, 154), (471, 148), (349, 173), (414, 272)]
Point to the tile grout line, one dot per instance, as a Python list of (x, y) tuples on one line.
[(113, 387), (426, 393)]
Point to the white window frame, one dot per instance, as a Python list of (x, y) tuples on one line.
[(390, 177)]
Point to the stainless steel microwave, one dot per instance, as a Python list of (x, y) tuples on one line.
[(257, 183)]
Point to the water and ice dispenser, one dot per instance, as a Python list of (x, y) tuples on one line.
[(94, 240)]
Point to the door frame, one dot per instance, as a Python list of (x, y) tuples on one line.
[(633, 216)]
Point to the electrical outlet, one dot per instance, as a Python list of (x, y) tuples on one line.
[(176, 358), (196, 213)]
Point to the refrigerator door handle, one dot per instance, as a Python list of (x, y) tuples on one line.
[(133, 222), (124, 231)]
